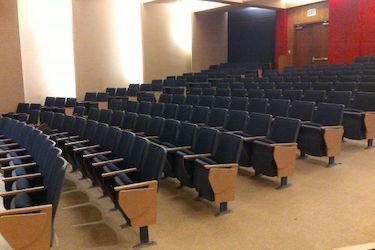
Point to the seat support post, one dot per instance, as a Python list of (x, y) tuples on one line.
[(331, 161), (144, 239), (223, 208), (370, 143), (283, 182)]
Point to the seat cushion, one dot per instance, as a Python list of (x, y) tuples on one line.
[(21, 200)]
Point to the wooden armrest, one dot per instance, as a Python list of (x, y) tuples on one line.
[(25, 165), (178, 148), (152, 137), (86, 147), (27, 176), (332, 127), (103, 163), (113, 173), (15, 157), (135, 185), (369, 121), (12, 150), (232, 132), (285, 158), (97, 153), (196, 156), (9, 145), (27, 190), (75, 142), (333, 139), (226, 165), (68, 137), (251, 138), (57, 134), (287, 144)]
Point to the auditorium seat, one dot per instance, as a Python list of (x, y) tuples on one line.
[(192, 100), (222, 102), (200, 115), (238, 93), (165, 98), (157, 109), (302, 110), (223, 92), (105, 116), (94, 114), (317, 96), (236, 121), (170, 111), (238, 103), (117, 118), (255, 93), (206, 101), (144, 107), (273, 93), (217, 117), (323, 136), (278, 107), (215, 175), (359, 120), (178, 99), (209, 91), (258, 105), (129, 121), (195, 91), (132, 106), (115, 104), (292, 94), (275, 155), (340, 97), (184, 113)]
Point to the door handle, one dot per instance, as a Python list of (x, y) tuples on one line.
[(316, 59)]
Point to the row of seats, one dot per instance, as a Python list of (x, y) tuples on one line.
[(23, 110), (33, 175)]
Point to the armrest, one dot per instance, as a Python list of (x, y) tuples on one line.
[(226, 165), (223, 181), (332, 127), (333, 139), (135, 185), (27, 176), (27, 190), (232, 132), (251, 138), (103, 163), (178, 148), (113, 173), (86, 156), (13, 150), (139, 133), (57, 134), (25, 165), (75, 142), (86, 147), (15, 157), (311, 127), (152, 137), (68, 137), (6, 140), (196, 156), (284, 155), (370, 125), (9, 145)]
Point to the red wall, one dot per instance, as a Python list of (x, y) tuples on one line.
[(352, 29), (281, 36)]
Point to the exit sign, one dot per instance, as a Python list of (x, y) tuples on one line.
[(311, 12)]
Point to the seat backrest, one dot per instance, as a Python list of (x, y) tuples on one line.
[(153, 163), (302, 110), (137, 152), (115, 104), (222, 102), (238, 92), (68, 123), (238, 103), (121, 92), (33, 117), (366, 86), (236, 120), (156, 125), (284, 130), (110, 91), (340, 97), (90, 129), (147, 97), (105, 116), (329, 114), (178, 99), (117, 118), (278, 107), (165, 98), (273, 93), (302, 85), (258, 124), (94, 114), (205, 140), (132, 106), (195, 91), (60, 102), (223, 92), (186, 134), (255, 93), (364, 101), (206, 101), (157, 109), (292, 94), (57, 121), (142, 123), (71, 102), (90, 97), (209, 91), (100, 135), (258, 105), (184, 112), (266, 85), (144, 108), (217, 117), (192, 100), (124, 145), (327, 86), (227, 149), (79, 111), (112, 138), (129, 120), (47, 117), (200, 114), (170, 111), (169, 131), (344, 86), (49, 102), (316, 96), (22, 107), (283, 85)]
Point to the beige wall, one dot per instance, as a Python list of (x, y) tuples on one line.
[(210, 39), (96, 63), (11, 81), (161, 55)]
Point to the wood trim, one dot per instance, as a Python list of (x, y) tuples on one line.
[(102, 163), (26, 176), (223, 183), (86, 147), (188, 157), (103, 105), (75, 142), (12, 150), (26, 190), (333, 139), (9, 145), (370, 125), (97, 153), (128, 170), (25, 165), (15, 225), (15, 157), (285, 158), (140, 204)]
